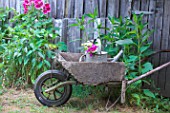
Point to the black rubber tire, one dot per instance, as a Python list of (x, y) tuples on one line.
[(39, 94)]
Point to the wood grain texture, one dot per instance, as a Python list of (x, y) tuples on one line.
[(69, 9), (102, 8), (78, 12), (113, 8), (124, 8), (95, 73), (60, 7), (90, 6), (53, 9), (158, 34), (73, 37)]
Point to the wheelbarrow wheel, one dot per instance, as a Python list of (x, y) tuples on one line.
[(56, 97)]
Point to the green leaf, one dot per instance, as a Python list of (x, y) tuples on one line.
[(40, 65), (1, 65), (132, 58), (26, 61), (137, 98), (147, 67), (41, 55), (148, 93), (47, 63), (125, 42), (144, 48)]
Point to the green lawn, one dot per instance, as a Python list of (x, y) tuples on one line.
[(23, 101)]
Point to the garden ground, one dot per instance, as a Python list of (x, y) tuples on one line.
[(24, 101)]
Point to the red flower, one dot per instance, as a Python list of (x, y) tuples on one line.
[(46, 8), (38, 4), (91, 49)]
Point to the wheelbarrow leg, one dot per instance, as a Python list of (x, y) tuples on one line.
[(123, 91)]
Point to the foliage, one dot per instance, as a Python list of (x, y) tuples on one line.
[(30, 48), (87, 19)]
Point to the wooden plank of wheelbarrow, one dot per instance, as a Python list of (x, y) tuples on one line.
[(94, 73), (74, 57)]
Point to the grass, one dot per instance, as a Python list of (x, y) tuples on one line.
[(24, 101)]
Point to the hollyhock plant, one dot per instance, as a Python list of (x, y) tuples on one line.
[(92, 49), (37, 4), (46, 8)]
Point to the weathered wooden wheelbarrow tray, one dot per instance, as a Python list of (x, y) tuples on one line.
[(90, 73), (95, 73)]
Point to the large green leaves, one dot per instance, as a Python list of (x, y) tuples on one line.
[(125, 42)]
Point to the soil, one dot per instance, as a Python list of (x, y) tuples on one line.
[(24, 101)]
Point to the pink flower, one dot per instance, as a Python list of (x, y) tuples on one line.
[(92, 49), (38, 4), (32, 1), (25, 5), (46, 8), (27, 2)]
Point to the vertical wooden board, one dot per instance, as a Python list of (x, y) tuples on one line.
[(90, 6), (158, 34), (53, 12), (60, 8), (58, 23), (113, 8), (73, 37), (136, 5), (18, 6), (69, 8), (166, 45), (1, 3), (124, 8), (88, 33), (145, 7), (102, 8), (78, 11), (6, 3), (151, 25), (64, 30), (97, 32), (12, 4), (21, 7)]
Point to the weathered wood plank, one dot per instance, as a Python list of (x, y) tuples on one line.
[(158, 33), (53, 12), (60, 7), (1, 3), (58, 23), (73, 37), (78, 11), (88, 33), (102, 8), (124, 8), (151, 25), (113, 8), (136, 5), (97, 32), (90, 6), (6, 3), (94, 73), (64, 30), (164, 74), (69, 8), (145, 7), (18, 6)]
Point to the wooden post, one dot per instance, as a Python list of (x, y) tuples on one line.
[(123, 94)]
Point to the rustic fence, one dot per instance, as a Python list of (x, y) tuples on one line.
[(156, 13)]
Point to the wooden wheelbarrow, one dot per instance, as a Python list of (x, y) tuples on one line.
[(54, 87)]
